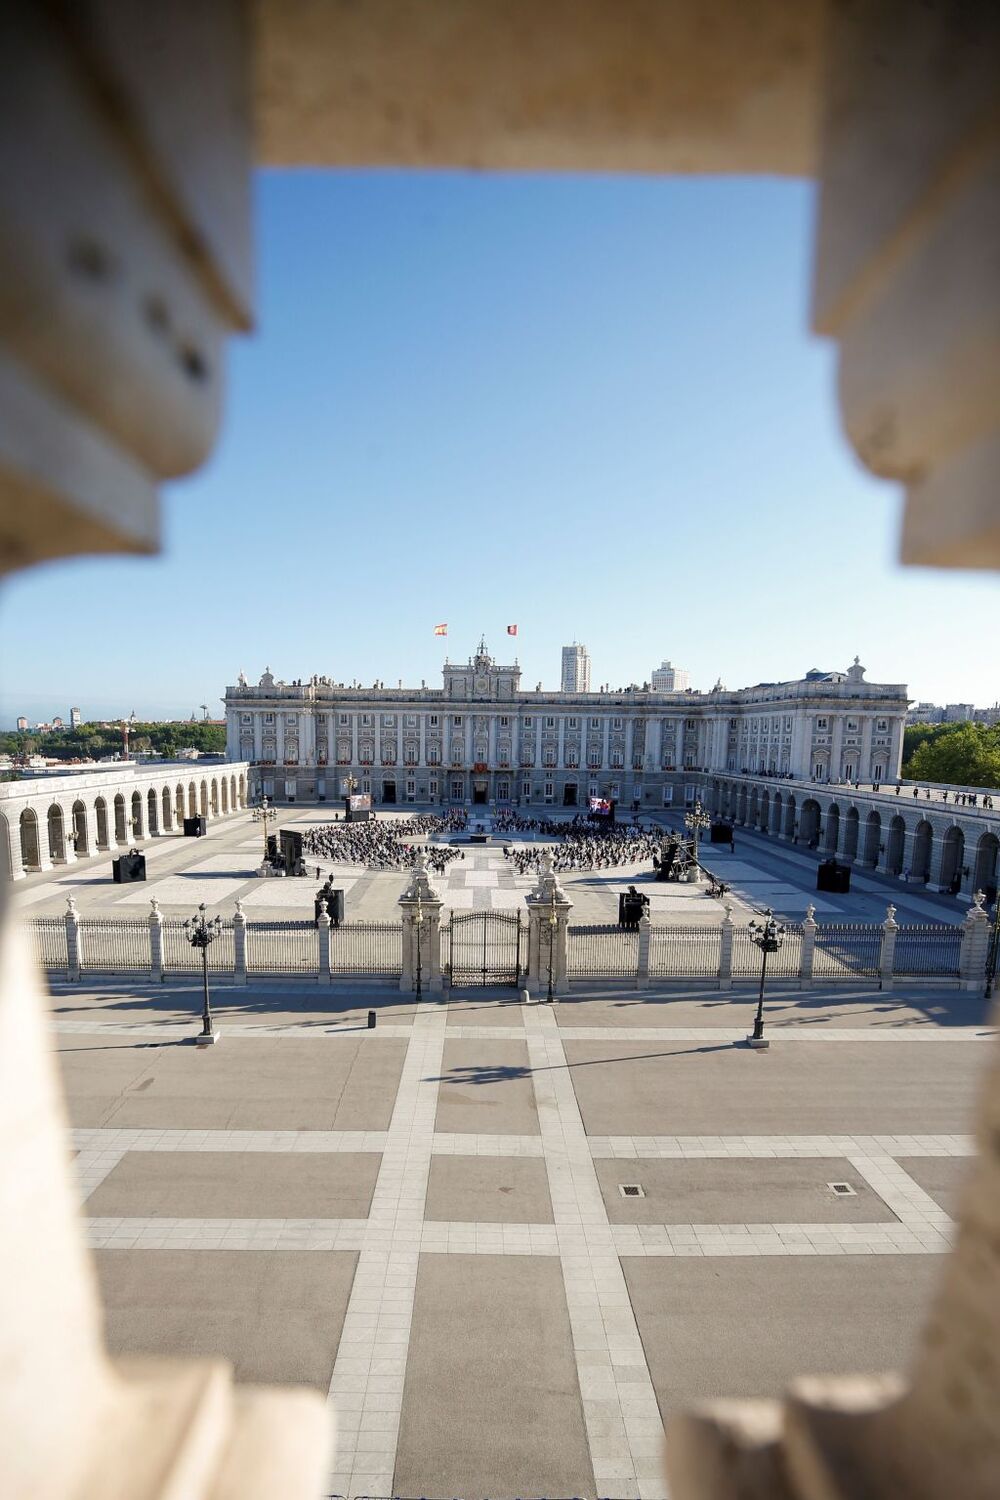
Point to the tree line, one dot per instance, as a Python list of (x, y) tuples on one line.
[(962, 754), (97, 741)]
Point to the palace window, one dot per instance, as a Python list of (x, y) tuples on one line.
[(616, 723), (366, 719), (388, 721), (411, 718), (345, 718), (504, 721), (882, 724), (572, 723), (457, 721), (269, 718), (595, 723), (550, 723), (526, 790), (821, 723), (594, 759), (617, 759), (433, 755), (526, 722), (432, 720), (247, 718), (572, 759), (548, 789), (548, 756)]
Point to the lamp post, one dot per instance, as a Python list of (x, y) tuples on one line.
[(200, 933), (553, 922), (695, 819), (418, 922), (769, 936), (993, 951), (264, 813)]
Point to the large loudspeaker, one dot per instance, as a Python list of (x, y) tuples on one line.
[(272, 846), (291, 850), (721, 833), (831, 876), (128, 867), (194, 828)]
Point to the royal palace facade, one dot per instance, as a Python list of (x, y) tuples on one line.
[(482, 738)]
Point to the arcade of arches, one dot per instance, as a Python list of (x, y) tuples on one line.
[(60, 819), (950, 848)]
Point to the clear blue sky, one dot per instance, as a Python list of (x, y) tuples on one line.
[(588, 406)]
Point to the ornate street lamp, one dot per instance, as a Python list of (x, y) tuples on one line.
[(695, 819), (263, 814), (553, 922), (418, 922), (200, 933), (993, 951), (769, 936)]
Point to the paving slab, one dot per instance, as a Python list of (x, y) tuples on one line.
[(239, 1084), (486, 1088), (264, 1004), (277, 1316), (941, 1176), (491, 1403), (237, 1185), (761, 1191), (692, 1088), (747, 1326), (507, 1011), (827, 1008), (488, 1190)]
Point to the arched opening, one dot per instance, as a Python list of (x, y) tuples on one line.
[(101, 817), (179, 804), (153, 812), (790, 819), (851, 830), (215, 798), (809, 824), (896, 846), (225, 795), (832, 828), (754, 807), (873, 838), (121, 831), (135, 821), (5, 850), (204, 799), (923, 844), (742, 814), (777, 813), (986, 866), (192, 800), (952, 857), (81, 844), (765, 812), (28, 828), (57, 835), (165, 801)]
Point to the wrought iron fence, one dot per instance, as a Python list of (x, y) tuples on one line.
[(365, 948), (117, 946), (179, 957), (684, 951), (47, 936), (785, 964), (931, 949), (282, 948), (602, 950), (848, 950)]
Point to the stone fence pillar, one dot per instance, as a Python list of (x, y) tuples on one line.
[(888, 952), (975, 945), (239, 945), (74, 947), (420, 911), (323, 925), (155, 941), (726, 949), (548, 921), (808, 949), (642, 967)]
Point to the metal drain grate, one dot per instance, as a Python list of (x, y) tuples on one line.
[(842, 1189), (631, 1190)]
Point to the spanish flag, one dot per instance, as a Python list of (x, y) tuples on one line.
[(512, 630), (440, 630)]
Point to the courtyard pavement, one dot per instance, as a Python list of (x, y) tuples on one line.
[(426, 1220), (220, 868)]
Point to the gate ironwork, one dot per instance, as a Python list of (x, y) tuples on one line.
[(484, 947)]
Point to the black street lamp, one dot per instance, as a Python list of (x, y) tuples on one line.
[(553, 921), (263, 814), (695, 819), (769, 936), (993, 951), (418, 922), (200, 933)]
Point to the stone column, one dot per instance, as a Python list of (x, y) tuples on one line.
[(239, 945), (808, 947), (155, 941), (975, 944), (548, 919), (885, 964), (642, 967), (74, 952), (726, 949), (420, 910), (325, 973)]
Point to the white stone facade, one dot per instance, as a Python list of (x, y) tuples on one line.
[(480, 738), (54, 820)]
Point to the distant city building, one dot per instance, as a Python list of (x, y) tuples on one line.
[(952, 713), (670, 679), (22, 723), (575, 669), (57, 723), (958, 713), (74, 718)]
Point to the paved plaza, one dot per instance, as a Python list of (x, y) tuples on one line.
[(427, 1221), (220, 868)]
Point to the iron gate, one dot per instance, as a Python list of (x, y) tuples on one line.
[(484, 947)]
